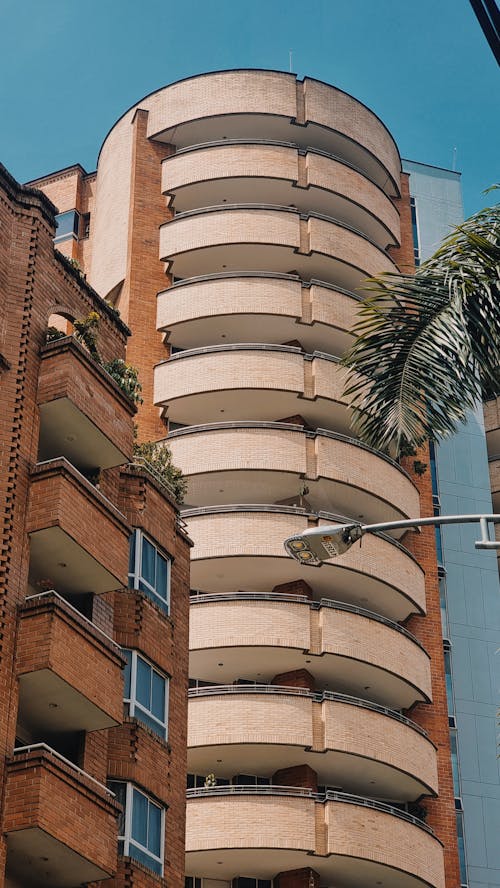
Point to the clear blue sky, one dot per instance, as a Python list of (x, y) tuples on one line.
[(68, 69)]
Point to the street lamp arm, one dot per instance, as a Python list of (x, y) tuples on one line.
[(321, 543)]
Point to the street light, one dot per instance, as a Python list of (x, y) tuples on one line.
[(319, 544)]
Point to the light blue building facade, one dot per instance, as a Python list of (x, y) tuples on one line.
[(470, 591)]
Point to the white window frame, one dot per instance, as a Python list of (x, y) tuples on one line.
[(136, 575), (133, 703), (127, 839)]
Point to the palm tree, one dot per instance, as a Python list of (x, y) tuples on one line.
[(428, 344)]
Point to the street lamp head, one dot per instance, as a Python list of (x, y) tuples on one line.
[(319, 544)]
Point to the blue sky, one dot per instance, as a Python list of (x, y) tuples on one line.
[(68, 69)]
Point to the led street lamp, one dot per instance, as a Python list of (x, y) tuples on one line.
[(319, 544)]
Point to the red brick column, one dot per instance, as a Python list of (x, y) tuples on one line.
[(145, 273), (434, 717)]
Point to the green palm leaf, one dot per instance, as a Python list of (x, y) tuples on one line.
[(427, 344)]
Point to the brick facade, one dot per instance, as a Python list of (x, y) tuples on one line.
[(64, 539)]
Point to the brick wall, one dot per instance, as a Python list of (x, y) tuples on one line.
[(35, 283)]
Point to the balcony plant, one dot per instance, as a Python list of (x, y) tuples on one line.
[(158, 457), (126, 376), (85, 332)]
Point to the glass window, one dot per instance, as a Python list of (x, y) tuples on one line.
[(192, 882), (414, 227), (449, 681), (454, 764), (461, 847), (146, 693), (443, 606), (67, 225), (149, 570), (141, 826)]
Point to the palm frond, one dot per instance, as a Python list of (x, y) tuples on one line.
[(427, 343)]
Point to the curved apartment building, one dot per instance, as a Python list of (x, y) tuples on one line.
[(233, 219)]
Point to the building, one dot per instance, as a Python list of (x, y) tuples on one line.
[(231, 219), (469, 579), (92, 760)]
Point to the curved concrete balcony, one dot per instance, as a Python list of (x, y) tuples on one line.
[(348, 840), (257, 636), (353, 745), (269, 462), (242, 546), (282, 175), (248, 104), (252, 381), (270, 308), (259, 237)]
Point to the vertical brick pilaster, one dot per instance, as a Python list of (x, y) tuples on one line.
[(145, 273), (434, 717)]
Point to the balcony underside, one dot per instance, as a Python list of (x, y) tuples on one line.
[(254, 573), (339, 770), (325, 494), (49, 705), (36, 859), (261, 257), (266, 863), (71, 569), (262, 404), (332, 672), (267, 328), (64, 429)]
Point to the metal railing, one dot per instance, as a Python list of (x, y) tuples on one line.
[(315, 696), (43, 747), (302, 792)]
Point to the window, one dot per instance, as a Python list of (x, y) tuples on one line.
[(192, 882), (448, 676), (454, 764), (461, 847), (247, 882), (149, 570), (251, 780), (146, 693), (443, 605), (141, 826), (67, 225), (414, 227)]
